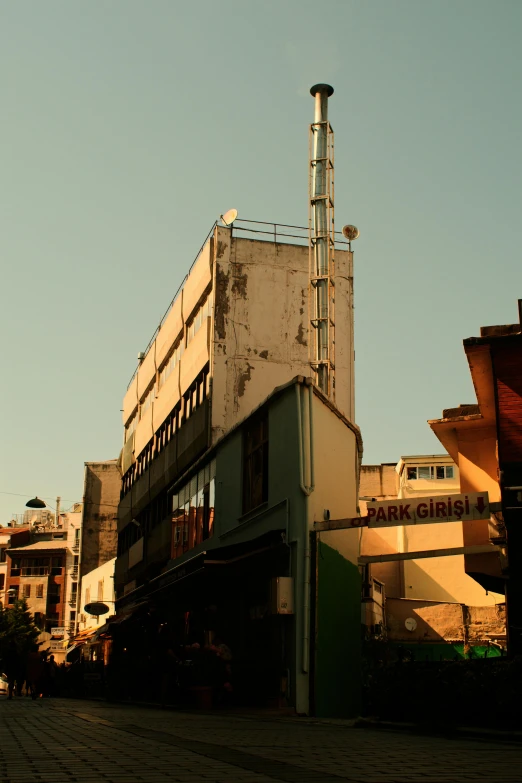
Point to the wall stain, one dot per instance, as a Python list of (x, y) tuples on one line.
[(221, 247), (239, 281), (222, 304), (300, 338), (263, 354), (243, 378)]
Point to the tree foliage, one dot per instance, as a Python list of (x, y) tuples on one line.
[(17, 629)]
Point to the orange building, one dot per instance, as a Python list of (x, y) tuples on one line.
[(485, 440)]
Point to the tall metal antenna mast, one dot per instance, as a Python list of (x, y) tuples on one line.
[(322, 243)]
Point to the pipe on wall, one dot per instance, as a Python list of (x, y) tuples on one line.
[(307, 491)]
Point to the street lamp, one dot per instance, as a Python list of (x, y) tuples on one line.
[(35, 503)]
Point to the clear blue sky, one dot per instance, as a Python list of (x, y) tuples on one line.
[(129, 126)]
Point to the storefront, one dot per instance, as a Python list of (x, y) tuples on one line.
[(210, 623)]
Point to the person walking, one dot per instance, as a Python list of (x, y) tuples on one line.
[(34, 672), (11, 666)]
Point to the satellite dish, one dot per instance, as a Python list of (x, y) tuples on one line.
[(97, 608), (229, 217), (350, 232), (410, 624)]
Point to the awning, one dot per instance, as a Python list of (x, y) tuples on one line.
[(84, 636)]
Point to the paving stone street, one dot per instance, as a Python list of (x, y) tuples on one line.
[(68, 741)]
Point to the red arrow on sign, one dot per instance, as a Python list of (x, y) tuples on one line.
[(480, 504)]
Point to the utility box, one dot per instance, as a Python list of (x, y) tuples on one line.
[(282, 592)]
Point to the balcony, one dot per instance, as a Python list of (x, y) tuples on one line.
[(73, 600), (33, 571), (74, 572), (76, 546)]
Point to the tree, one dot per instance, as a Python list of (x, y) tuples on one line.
[(17, 629)]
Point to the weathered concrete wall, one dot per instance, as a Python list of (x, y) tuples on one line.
[(99, 541), (444, 621), (379, 481), (261, 325)]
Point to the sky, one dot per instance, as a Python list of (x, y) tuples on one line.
[(128, 127)]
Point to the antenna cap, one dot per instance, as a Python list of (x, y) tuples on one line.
[(327, 88)]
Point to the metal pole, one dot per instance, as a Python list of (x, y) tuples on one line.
[(320, 232)]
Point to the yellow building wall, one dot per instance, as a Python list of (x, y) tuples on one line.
[(335, 464)]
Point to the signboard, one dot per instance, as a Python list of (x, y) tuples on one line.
[(56, 644), (422, 511), (58, 632), (417, 511)]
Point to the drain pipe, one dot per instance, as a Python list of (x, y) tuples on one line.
[(307, 491)]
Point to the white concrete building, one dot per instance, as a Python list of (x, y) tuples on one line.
[(96, 586)]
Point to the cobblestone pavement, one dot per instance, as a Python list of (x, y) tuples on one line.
[(69, 741)]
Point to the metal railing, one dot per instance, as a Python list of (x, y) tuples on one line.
[(269, 232), (167, 311)]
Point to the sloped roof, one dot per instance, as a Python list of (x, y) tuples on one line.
[(55, 543)]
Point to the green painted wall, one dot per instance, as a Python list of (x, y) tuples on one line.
[(338, 636), (283, 476)]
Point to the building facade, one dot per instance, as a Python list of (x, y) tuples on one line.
[(485, 440), (239, 564), (197, 492), (44, 570)]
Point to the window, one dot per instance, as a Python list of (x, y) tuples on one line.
[(255, 463), (38, 620), (429, 472), (2, 555), (147, 401), (39, 591), (131, 426), (171, 362), (87, 596), (193, 511), (77, 537), (53, 596), (100, 590), (27, 591), (56, 565), (72, 617), (2, 581), (199, 318), (13, 594)]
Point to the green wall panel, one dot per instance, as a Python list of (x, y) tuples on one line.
[(338, 636)]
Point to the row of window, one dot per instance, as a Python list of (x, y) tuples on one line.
[(170, 365), (172, 360), (53, 596), (199, 318), (429, 472), (193, 398), (191, 510)]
